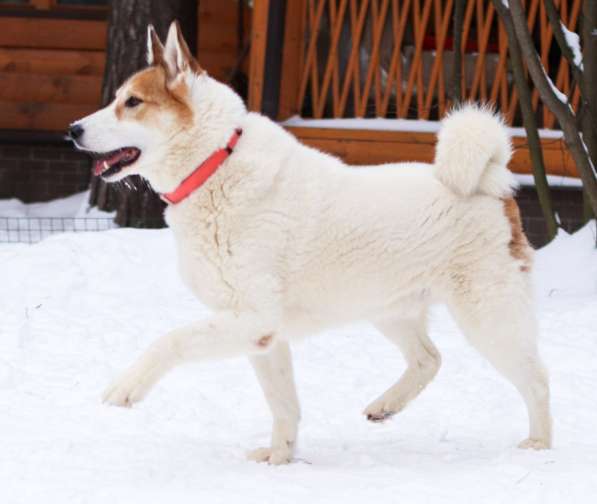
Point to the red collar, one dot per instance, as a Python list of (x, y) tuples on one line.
[(202, 172)]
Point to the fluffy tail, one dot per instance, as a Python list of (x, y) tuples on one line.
[(472, 154)]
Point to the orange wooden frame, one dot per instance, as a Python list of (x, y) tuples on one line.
[(367, 147), (411, 82), (47, 5), (328, 84)]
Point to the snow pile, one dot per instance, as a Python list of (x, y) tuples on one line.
[(559, 94), (526, 180), (72, 206), (568, 266), (77, 309), (384, 124), (573, 41)]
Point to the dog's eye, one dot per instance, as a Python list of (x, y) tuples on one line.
[(132, 102)]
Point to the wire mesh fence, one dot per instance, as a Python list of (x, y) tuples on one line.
[(34, 229)]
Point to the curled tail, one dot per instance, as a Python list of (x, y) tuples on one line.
[(472, 153)]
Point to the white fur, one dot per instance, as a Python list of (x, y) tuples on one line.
[(107, 134), (284, 241), (149, 57), (473, 151)]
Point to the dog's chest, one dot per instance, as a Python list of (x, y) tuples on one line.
[(206, 260)]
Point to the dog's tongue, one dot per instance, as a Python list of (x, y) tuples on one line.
[(103, 164)]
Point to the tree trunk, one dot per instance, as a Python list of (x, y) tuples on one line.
[(589, 76), (134, 201), (560, 108)]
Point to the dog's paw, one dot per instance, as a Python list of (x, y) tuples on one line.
[(271, 456), (534, 444), (125, 391), (380, 410)]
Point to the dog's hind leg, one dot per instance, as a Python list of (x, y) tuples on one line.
[(501, 325), (275, 374), (423, 361)]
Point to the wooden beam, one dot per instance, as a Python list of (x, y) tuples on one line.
[(52, 62), (26, 87), (47, 33), (41, 116), (42, 4), (291, 59), (369, 147), (258, 47)]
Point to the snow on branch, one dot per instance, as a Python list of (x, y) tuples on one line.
[(586, 149), (560, 96), (573, 41), (568, 41)]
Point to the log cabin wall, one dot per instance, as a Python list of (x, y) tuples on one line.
[(51, 67), (52, 59)]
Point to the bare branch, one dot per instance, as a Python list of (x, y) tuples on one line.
[(529, 120), (550, 96), (575, 58), (588, 112), (558, 28), (547, 89)]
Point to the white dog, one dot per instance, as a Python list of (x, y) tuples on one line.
[(283, 241)]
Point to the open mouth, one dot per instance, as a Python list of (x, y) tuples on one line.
[(107, 164)]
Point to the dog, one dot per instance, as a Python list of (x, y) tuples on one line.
[(282, 241)]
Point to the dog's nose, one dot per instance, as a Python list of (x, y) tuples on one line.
[(75, 131)]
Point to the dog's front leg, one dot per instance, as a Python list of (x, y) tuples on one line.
[(274, 371), (225, 335)]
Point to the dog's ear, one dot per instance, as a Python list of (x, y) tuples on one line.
[(177, 54), (155, 49)]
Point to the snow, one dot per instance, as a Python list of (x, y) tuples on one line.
[(568, 265), (573, 41), (77, 308), (586, 149), (383, 124), (553, 180), (559, 95), (72, 206), (543, 133)]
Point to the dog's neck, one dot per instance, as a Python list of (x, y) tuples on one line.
[(203, 172)]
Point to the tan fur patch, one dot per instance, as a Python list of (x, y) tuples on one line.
[(151, 86), (519, 245), (265, 341)]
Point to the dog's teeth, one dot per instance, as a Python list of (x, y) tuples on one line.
[(106, 165)]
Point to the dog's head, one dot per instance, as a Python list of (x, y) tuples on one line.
[(163, 121)]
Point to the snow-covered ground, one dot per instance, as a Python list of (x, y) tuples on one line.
[(76, 309)]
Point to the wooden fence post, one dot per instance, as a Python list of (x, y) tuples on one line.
[(294, 31), (258, 48)]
